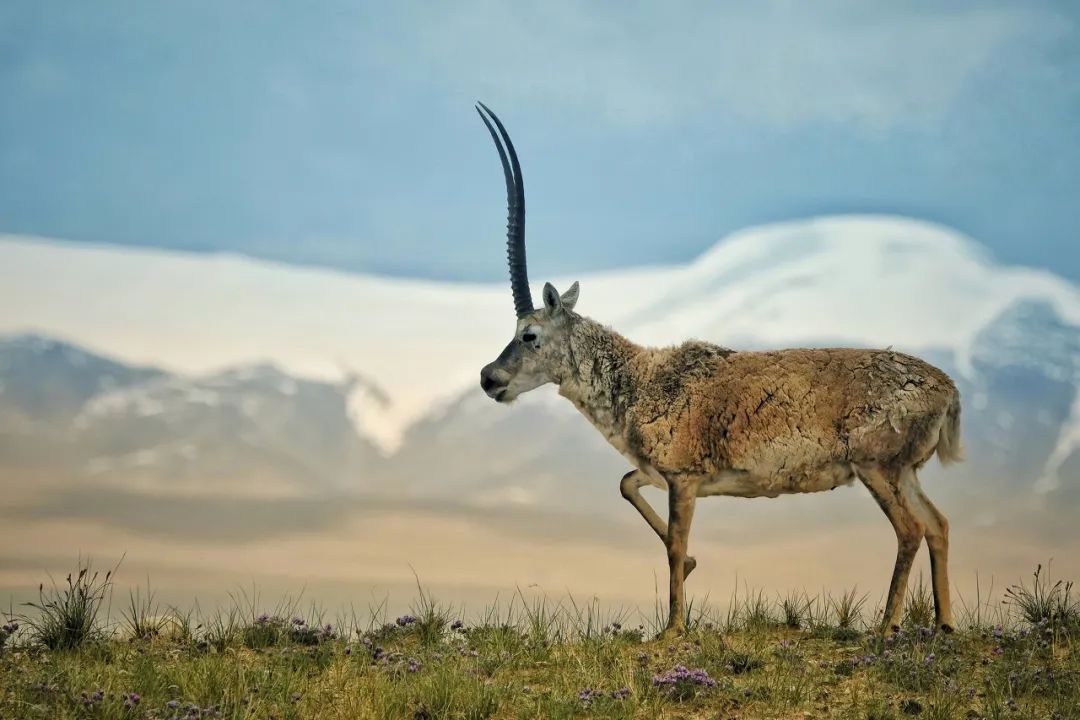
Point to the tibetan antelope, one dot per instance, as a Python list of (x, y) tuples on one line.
[(699, 420)]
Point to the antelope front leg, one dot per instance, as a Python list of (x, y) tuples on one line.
[(630, 488), (681, 499)]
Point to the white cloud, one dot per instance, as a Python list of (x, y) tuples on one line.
[(782, 62), (840, 279)]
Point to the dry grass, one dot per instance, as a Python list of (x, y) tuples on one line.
[(533, 658)]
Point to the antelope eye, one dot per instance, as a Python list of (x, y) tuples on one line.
[(528, 337)]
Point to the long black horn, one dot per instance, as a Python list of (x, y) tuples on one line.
[(515, 214)]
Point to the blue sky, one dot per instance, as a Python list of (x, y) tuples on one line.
[(343, 135)]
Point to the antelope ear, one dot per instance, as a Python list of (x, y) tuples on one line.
[(569, 298), (552, 301)]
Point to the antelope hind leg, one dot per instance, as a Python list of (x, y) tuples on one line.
[(884, 485), (937, 542)]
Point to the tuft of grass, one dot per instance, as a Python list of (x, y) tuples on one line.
[(68, 616), (1046, 604), (795, 607), (848, 609), (141, 619), (219, 631), (431, 618), (837, 617), (757, 610), (919, 608)]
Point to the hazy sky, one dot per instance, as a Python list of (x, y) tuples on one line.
[(342, 133)]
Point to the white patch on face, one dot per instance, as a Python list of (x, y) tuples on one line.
[(524, 381)]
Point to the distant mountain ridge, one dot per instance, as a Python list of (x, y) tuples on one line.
[(253, 428), (369, 385)]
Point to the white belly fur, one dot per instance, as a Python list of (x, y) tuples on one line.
[(744, 484)]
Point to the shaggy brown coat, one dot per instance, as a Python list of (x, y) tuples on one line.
[(786, 418)]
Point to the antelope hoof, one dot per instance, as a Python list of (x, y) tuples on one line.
[(947, 628), (688, 567), (888, 630)]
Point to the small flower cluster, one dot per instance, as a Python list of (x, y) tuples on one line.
[(457, 625), (128, 702), (90, 699), (176, 710), (616, 630), (269, 629), (305, 634), (407, 620), (682, 683), (588, 696), (850, 665), (7, 630)]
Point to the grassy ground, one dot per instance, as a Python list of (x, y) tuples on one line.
[(794, 657)]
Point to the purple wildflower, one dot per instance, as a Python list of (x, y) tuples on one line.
[(588, 695), (998, 632), (682, 682), (406, 620), (414, 665), (621, 694), (457, 625), (299, 621), (929, 659)]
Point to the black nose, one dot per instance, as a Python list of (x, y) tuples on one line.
[(486, 381)]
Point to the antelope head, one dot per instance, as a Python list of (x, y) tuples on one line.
[(539, 349)]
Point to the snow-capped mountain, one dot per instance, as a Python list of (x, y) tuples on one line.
[(391, 392), (85, 418)]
